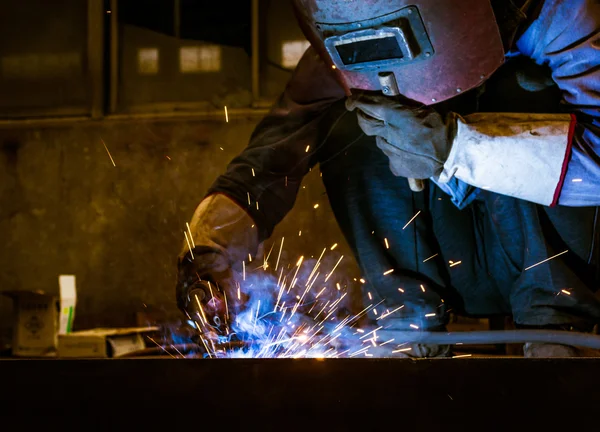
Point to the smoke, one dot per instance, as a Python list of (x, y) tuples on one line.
[(298, 310)]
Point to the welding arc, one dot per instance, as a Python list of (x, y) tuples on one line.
[(500, 337)]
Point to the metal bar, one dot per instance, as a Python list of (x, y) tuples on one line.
[(114, 56), (255, 50), (95, 56), (381, 394)]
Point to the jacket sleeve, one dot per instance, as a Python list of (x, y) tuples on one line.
[(566, 37), (266, 176)]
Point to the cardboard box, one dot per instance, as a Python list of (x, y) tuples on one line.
[(102, 342), (40, 317), (35, 326)]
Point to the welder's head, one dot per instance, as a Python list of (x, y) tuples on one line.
[(425, 50)]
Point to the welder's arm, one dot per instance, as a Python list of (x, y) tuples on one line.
[(260, 185), (548, 159), (264, 179)]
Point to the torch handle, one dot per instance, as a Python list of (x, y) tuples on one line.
[(389, 87), (416, 185)]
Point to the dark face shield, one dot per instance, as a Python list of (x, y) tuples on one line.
[(429, 51)]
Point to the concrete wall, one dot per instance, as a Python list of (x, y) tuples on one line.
[(65, 209)]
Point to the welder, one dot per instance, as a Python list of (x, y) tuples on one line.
[(491, 107)]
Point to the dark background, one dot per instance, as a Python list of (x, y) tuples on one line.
[(69, 80)]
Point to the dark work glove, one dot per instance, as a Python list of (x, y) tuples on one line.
[(417, 140)]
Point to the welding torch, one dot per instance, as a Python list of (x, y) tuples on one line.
[(389, 87), (207, 307)]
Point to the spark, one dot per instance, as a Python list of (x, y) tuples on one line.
[(168, 157), (371, 332), (253, 173), (462, 356), (454, 264), (307, 148), (334, 267), (191, 236), (431, 257), (226, 305), (370, 296), (316, 206), (334, 246), (387, 244), (401, 290), (386, 342), (410, 221), (189, 244), (415, 326), (201, 309), (318, 263), (322, 310), (243, 270), (178, 352), (257, 206), (577, 180), (294, 279), (222, 148), (363, 350), (279, 256), (320, 292), (249, 257), (339, 288), (546, 260), (387, 314), (160, 346), (389, 272), (249, 202), (300, 233), (212, 297), (422, 288), (430, 315), (239, 292), (226, 115), (281, 289), (362, 281), (402, 350), (109, 155), (566, 292)]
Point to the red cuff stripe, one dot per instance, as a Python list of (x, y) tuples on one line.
[(568, 153)]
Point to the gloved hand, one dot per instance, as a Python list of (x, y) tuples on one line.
[(223, 234), (417, 140)]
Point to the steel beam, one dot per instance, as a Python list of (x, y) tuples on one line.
[(465, 394)]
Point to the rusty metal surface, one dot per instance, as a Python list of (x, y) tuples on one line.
[(297, 394), (464, 34)]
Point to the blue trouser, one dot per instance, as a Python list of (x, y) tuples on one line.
[(473, 261)]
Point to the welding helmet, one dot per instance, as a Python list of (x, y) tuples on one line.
[(424, 50)]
